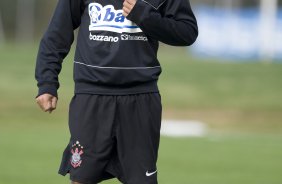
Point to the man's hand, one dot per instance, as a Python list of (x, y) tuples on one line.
[(128, 6), (47, 102)]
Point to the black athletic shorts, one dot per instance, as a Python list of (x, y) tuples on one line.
[(113, 136)]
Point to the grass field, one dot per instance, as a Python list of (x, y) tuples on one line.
[(240, 103)]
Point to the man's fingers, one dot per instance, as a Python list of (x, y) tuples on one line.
[(47, 102), (48, 106), (125, 11), (40, 105), (128, 6), (54, 103), (132, 2)]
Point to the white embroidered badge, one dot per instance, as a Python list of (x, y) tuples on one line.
[(77, 151)]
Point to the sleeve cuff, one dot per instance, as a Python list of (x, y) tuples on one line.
[(47, 88)]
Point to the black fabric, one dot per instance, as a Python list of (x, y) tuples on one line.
[(119, 66), (114, 136), (169, 21)]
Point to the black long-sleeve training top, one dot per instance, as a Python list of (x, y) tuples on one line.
[(114, 55)]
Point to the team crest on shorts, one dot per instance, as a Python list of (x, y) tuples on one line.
[(77, 151)]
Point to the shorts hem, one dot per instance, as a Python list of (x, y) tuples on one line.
[(84, 181)]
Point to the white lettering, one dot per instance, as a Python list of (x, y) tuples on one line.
[(107, 18), (129, 37), (103, 38)]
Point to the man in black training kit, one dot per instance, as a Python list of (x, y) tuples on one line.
[(115, 114)]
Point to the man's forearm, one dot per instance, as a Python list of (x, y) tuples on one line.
[(55, 45), (178, 25)]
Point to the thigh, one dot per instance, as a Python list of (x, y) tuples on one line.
[(138, 137), (91, 119)]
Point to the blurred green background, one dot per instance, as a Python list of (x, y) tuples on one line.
[(241, 104)]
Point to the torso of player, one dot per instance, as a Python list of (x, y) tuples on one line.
[(107, 38), (104, 22)]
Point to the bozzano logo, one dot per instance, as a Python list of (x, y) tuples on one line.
[(103, 38), (108, 19)]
